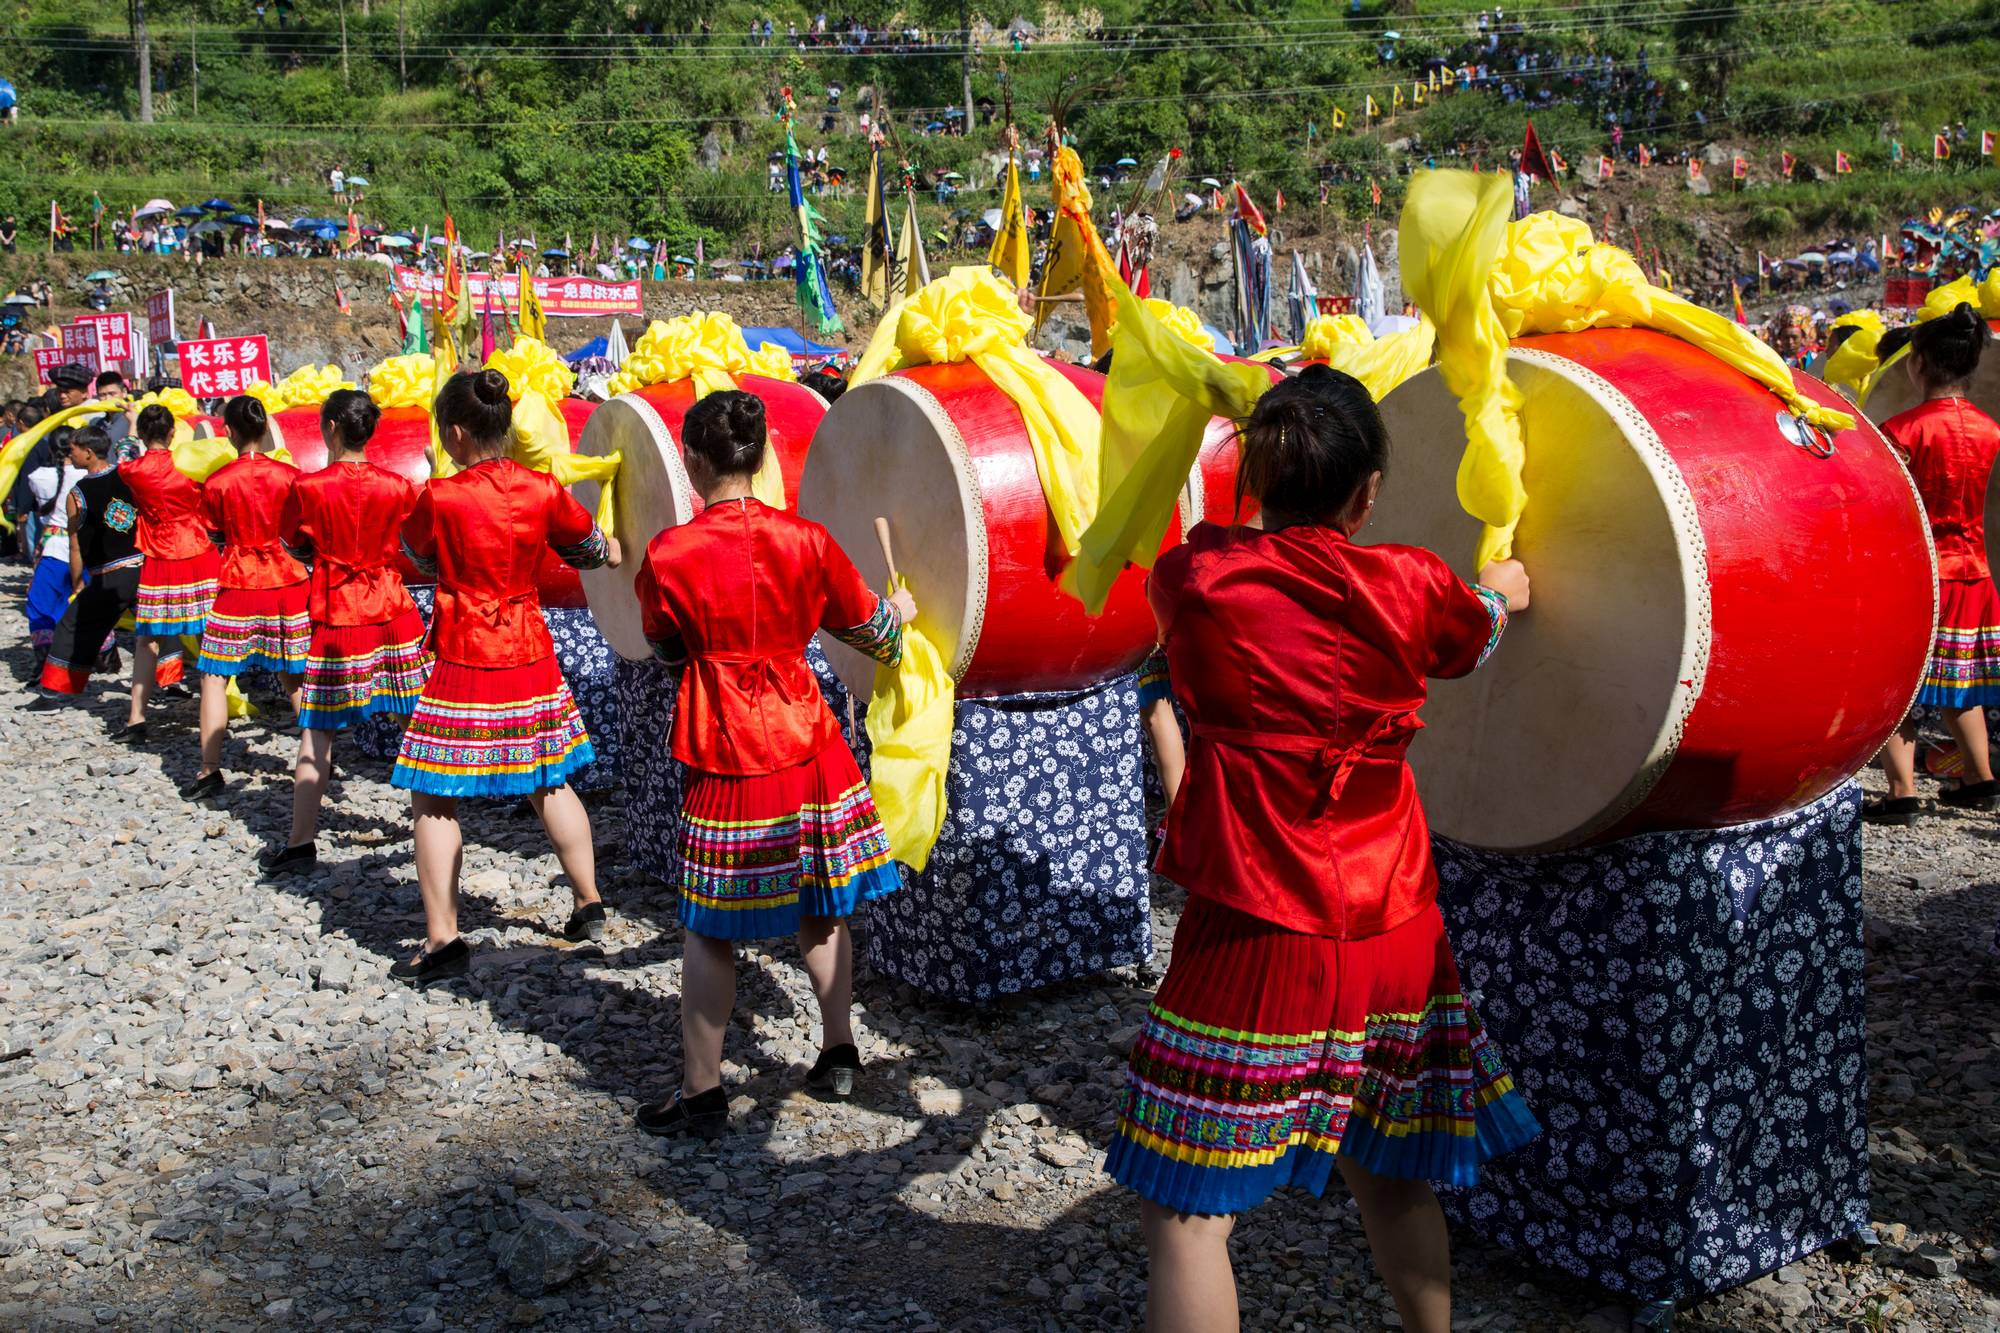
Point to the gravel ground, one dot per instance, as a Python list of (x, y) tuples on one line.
[(219, 1113)]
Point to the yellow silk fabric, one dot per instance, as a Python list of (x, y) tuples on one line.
[(706, 347), (1182, 322), (531, 364), (310, 386), (1862, 368), (405, 381), (1483, 281), (910, 717), (198, 460), (1011, 252), (541, 441), (178, 401), (1158, 401), (1345, 343), (1857, 362), (970, 315)]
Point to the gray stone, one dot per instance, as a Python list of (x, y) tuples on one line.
[(547, 1250)]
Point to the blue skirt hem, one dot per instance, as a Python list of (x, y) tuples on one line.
[(544, 777), (215, 666), (167, 629), (766, 923)]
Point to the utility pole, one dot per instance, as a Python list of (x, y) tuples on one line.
[(343, 44), (194, 62), (402, 56), (965, 35), (144, 42)]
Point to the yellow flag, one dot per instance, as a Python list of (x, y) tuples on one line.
[(1339, 119), (1396, 98), (1371, 109), (1158, 400), (1077, 257), (1416, 94), (875, 248), (534, 324), (1011, 252), (913, 269)]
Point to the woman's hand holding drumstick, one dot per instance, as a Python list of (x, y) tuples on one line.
[(906, 605)]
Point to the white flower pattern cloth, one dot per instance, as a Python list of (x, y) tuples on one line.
[(1684, 1013)]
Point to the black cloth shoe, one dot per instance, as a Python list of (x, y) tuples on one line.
[(45, 701), (1971, 795), (704, 1115), (132, 733), (1895, 811), (428, 968), (205, 786), (835, 1069), (297, 860), (585, 923), (177, 690)]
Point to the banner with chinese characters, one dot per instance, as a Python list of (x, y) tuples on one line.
[(114, 337), (83, 344), (220, 367), (160, 317), (46, 361), (568, 297)]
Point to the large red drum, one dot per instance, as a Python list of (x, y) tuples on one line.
[(561, 586), (943, 455), (654, 492), (1896, 392), (1730, 612), (401, 442)]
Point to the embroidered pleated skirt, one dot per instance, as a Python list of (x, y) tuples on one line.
[(1267, 1053), (256, 629), (354, 672), (175, 595), (1964, 670), (48, 598), (492, 731), (757, 853)]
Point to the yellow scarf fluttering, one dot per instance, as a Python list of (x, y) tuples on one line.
[(708, 348), (1483, 281), (1161, 394), (1345, 343), (911, 712), (1077, 257), (970, 315), (15, 454), (1857, 363)]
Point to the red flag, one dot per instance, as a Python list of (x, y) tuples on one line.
[(1841, 166), (1786, 163), (1737, 293), (1645, 156), (1986, 143), (1556, 161), (1739, 168), (1248, 211), (1940, 148), (1533, 160), (396, 304), (1278, 201), (1603, 167), (340, 299), (1375, 191), (1694, 169)]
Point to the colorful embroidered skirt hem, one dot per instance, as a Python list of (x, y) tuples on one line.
[(354, 672), (757, 853), (256, 629), (1964, 670), (175, 595), (492, 731), (1267, 1053)]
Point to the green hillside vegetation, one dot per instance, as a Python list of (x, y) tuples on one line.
[(574, 117)]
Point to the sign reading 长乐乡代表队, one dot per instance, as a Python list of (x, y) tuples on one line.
[(219, 367)]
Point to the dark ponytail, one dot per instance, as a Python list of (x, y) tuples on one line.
[(1310, 444), (1948, 348), (726, 431), (246, 419), (353, 413), (155, 426), (477, 402)]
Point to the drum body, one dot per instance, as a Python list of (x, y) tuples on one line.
[(559, 585), (943, 455), (1896, 392), (1726, 622), (401, 442), (653, 487)]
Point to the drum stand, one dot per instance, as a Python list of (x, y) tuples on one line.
[(1684, 1014)]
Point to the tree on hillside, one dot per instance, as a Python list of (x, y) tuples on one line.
[(142, 46), (1708, 38)]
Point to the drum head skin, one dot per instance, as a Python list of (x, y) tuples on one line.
[(1726, 625), (1896, 392), (1561, 732), (653, 493)]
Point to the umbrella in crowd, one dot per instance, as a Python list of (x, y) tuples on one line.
[(189, 212), (639, 243), (220, 205), (555, 254), (152, 208), (102, 275), (240, 220), (357, 181)]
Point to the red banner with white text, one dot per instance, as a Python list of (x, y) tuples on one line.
[(572, 297)]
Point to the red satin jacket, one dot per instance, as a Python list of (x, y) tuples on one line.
[(484, 530), (1950, 446), (349, 516), (172, 524), (1300, 659), (739, 592), (245, 502)]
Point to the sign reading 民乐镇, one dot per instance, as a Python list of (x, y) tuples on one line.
[(219, 367), (573, 296), (114, 337)]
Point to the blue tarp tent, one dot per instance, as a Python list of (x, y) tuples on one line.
[(800, 346), (595, 347)]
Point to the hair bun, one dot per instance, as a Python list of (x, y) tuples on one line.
[(490, 387)]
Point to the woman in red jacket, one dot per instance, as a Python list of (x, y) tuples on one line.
[(496, 717), (367, 653), (779, 834), (1312, 1016), (258, 621), (1950, 446), (177, 584)]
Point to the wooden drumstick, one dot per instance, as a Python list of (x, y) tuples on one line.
[(888, 548)]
